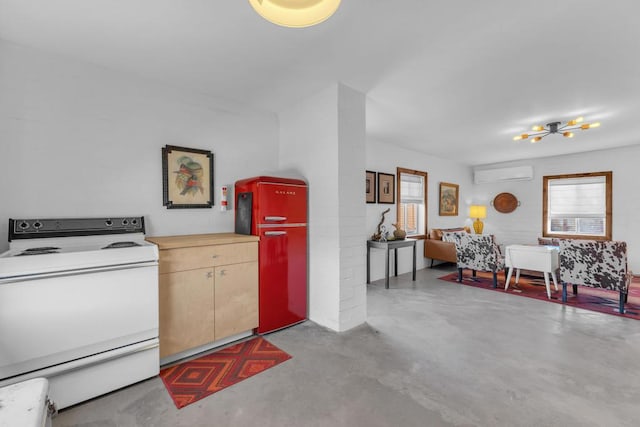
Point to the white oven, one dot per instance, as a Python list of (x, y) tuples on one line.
[(79, 308)]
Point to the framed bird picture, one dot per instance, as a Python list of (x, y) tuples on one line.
[(187, 177)]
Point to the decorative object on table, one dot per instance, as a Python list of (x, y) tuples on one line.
[(448, 199), (478, 212), (505, 203), (540, 131), (187, 177), (399, 233), (370, 186), (594, 299), (295, 14), (383, 234), (380, 230), (386, 188), (193, 380)]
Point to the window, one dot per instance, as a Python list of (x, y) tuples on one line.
[(577, 206), (411, 208)]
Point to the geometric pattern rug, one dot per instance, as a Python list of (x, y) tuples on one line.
[(195, 379), (594, 299)]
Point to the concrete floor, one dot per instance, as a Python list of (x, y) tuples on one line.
[(431, 354)]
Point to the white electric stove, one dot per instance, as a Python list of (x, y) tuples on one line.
[(78, 305)]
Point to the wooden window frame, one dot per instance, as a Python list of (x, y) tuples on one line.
[(608, 201), (425, 176)]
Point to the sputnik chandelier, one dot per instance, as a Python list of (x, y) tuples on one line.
[(540, 131)]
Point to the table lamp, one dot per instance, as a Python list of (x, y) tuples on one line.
[(477, 212)]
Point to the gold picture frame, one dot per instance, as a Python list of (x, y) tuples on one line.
[(187, 177), (449, 199), (370, 186)]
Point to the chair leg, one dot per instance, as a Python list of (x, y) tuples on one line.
[(473, 273), (495, 280), (564, 291), (505, 274), (460, 275), (623, 299), (575, 289), (431, 266)]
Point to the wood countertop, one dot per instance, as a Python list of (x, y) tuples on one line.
[(193, 240)]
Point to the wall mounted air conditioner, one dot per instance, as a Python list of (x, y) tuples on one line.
[(516, 173)]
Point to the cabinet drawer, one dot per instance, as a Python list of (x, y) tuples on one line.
[(182, 259)]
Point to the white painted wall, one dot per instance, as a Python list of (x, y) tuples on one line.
[(81, 140), (308, 135), (351, 187), (322, 138), (524, 225), (384, 157)]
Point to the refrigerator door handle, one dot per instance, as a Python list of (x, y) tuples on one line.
[(274, 233), (275, 218)]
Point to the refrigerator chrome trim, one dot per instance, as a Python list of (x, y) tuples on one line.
[(298, 224)]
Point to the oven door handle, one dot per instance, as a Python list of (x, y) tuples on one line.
[(75, 272)]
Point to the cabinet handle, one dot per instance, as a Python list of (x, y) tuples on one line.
[(214, 256), (275, 233), (209, 275), (275, 218), (223, 272)]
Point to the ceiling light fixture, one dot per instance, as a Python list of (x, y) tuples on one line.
[(295, 13), (540, 131)]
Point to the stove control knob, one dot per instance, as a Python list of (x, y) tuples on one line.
[(125, 222), (23, 225), (37, 225), (134, 222), (108, 223)]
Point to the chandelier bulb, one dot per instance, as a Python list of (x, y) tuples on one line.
[(568, 134), (535, 139), (538, 128)]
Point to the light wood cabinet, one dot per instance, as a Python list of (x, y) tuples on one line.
[(208, 289)]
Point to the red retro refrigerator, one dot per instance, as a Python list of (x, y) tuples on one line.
[(276, 210)]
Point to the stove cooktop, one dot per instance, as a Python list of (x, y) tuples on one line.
[(61, 245)]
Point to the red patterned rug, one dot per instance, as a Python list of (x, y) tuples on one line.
[(594, 299), (195, 379)]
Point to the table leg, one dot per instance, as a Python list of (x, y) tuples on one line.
[(546, 283), (506, 285), (395, 262), (368, 265), (386, 270), (555, 279), (517, 275), (414, 262)]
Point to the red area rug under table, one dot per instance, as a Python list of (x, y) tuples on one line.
[(195, 379), (594, 299)]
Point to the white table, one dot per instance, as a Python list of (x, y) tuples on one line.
[(533, 257)]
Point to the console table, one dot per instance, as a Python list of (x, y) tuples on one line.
[(388, 245), (532, 257)]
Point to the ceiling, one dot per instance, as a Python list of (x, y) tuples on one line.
[(454, 79)]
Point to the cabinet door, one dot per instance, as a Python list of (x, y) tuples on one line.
[(186, 310), (236, 298)]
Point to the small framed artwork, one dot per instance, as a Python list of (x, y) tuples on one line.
[(370, 185), (386, 188), (187, 177), (448, 199)]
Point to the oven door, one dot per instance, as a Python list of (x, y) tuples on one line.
[(51, 319)]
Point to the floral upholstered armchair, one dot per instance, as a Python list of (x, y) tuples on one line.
[(477, 253), (594, 263)]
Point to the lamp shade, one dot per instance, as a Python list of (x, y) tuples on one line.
[(477, 211), (295, 13)]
